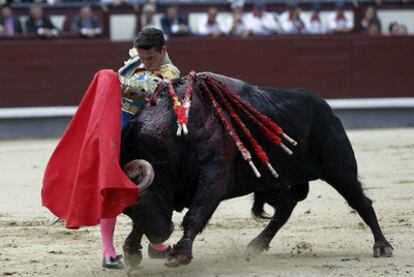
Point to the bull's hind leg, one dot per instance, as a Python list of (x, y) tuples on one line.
[(340, 171), (284, 201), (350, 188)]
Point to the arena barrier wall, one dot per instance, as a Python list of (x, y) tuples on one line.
[(57, 72)]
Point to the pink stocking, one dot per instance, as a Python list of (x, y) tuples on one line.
[(159, 246), (107, 232)]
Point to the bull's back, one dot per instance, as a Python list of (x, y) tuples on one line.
[(302, 115)]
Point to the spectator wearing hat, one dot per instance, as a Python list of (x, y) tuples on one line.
[(86, 24), (315, 24), (259, 22), (292, 20), (339, 22), (40, 24), (9, 24)]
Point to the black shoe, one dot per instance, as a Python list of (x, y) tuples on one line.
[(157, 254), (113, 263)]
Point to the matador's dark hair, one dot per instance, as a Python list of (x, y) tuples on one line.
[(148, 38)]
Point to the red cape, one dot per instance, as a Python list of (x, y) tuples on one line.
[(83, 181)]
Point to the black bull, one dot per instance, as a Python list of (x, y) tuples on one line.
[(200, 170)]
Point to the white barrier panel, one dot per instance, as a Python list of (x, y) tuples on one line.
[(343, 104), (122, 27)]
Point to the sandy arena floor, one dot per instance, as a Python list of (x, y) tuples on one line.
[(323, 238)]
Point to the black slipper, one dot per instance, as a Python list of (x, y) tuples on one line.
[(113, 263)]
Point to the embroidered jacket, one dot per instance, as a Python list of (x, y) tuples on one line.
[(138, 83)]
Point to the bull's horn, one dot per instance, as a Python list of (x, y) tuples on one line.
[(140, 172)]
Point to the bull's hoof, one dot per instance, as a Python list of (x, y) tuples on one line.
[(177, 259), (383, 249), (256, 247), (133, 260)]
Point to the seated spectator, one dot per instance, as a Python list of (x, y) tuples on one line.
[(9, 24), (235, 25), (292, 20), (209, 26), (148, 16), (40, 24), (370, 17), (259, 22), (374, 29), (393, 28), (315, 24), (397, 29), (402, 30), (174, 24), (339, 22), (86, 24)]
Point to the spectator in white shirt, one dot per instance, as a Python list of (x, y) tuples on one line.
[(210, 26), (292, 20), (315, 24), (235, 25), (259, 22), (339, 22)]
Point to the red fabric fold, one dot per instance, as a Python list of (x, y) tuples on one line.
[(83, 181)]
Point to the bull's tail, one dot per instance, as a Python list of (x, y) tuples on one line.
[(258, 206)]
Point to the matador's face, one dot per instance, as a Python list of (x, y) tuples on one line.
[(151, 58)]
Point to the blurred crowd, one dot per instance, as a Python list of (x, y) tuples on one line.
[(241, 22), (85, 24)]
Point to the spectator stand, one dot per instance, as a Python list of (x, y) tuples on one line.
[(61, 16), (121, 22)]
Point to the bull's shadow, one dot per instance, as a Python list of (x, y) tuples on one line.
[(199, 170)]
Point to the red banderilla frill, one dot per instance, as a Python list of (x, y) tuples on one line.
[(261, 154), (229, 127), (178, 109), (270, 129)]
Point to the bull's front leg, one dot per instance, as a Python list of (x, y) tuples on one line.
[(210, 191), (132, 248)]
